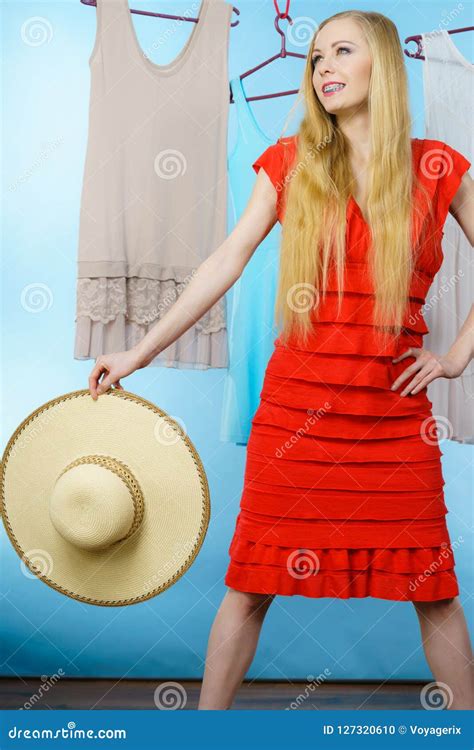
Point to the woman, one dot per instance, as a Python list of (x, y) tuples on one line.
[(343, 492)]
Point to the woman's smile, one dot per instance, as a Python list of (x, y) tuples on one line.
[(332, 87)]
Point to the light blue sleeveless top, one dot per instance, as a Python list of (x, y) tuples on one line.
[(250, 302)]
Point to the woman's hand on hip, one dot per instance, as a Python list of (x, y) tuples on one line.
[(428, 366)]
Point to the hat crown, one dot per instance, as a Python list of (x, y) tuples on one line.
[(96, 502)]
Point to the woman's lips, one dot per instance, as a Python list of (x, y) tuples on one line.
[(336, 91)]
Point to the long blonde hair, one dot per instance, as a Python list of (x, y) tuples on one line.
[(313, 230)]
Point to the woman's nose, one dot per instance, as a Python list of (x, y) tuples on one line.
[(326, 67)]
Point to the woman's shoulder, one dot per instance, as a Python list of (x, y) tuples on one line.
[(288, 140), (287, 148), (441, 168), (277, 158), (426, 143), (438, 158), (287, 144), (281, 148)]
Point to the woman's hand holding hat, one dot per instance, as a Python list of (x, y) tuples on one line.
[(116, 365)]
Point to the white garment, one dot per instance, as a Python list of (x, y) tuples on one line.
[(449, 96)]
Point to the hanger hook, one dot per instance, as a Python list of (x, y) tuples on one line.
[(281, 32)]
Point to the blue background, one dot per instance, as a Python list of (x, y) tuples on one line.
[(46, 98)]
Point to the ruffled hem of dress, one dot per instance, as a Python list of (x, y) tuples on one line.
[(194, 349), (342, 584), (399, 560)]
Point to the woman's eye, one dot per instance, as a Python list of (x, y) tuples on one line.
[(316, 57)]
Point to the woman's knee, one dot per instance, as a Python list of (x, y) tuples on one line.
[(438, 605), (252, 602)]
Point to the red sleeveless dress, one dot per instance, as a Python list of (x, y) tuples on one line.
[(343, 488)]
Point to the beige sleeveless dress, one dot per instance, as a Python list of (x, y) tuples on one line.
[(154, 195)]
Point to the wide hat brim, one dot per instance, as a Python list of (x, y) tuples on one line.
[(161, 457)]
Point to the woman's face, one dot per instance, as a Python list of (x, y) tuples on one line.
[(341, 55)]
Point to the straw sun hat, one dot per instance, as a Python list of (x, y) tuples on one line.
[(105, 500)]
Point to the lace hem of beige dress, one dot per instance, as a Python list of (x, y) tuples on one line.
[(114, 314)]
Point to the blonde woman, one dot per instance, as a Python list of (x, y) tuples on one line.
[(343, 490)]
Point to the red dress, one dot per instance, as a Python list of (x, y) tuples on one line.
[(343, 488)]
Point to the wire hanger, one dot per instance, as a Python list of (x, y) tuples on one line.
[(282, 53), (164, 15), (419, 41)]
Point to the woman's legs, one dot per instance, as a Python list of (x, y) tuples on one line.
[(232, 644), (447, 648)]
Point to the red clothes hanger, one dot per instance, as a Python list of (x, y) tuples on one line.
[(163, 15), (283, 52), (419, 41)]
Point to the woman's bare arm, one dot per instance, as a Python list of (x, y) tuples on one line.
[(462, 206), (209, 283)]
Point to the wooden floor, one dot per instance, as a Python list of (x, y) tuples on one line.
[(96, 694)]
